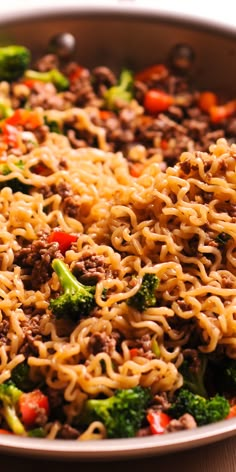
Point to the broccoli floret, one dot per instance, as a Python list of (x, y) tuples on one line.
[(122, 414), (121, 91), (54, 76), (204, 410), (20, 377), (15, 184), (193, 375), (14, 61), (9, 397), (145, 297), (37, 433), (77, 299)]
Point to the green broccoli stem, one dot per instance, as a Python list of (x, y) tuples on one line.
[(122, 91), (54, 76), (77, 300), (9, 398), (126, 79), (12, 420), (67, 280)]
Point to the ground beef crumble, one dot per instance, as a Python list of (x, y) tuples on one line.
[(37, 258)]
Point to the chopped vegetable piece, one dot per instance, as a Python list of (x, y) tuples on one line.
[(105, 114), (207, 100), (154, 72), (9, 396), (146, 295), (54, 76), (5, 431), (14, 60), (122, 413), (121, 92), (158, 421), (77, 300), (63, 239), (232, 412), (136, 169), (205, 411), (30, 83), (221, 112), (36, 433), (76, 73), (156, 101), (133, 352), (155, 348), (22, 117), (32, 404)]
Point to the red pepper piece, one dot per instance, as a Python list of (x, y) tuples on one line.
[(75, 74), (63, 239), (133, 352), (221, 112), (154, 72), (22, 117), (207, 100), (105, 114), (4, 431), (158, 421), (156, 101), (136, 169), (232, 412), (31, 405), (30, 83)]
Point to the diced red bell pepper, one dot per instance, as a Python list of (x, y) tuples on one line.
[(136, 169), (232, 412), (105, 114), (156, 101), (154, 72), (63, 239), (164, 144), (221, 112), (31, 405), (22, 117), (158, 421), (4, 431), (76, 73), (133, 352), (30, 82), (207, 100)]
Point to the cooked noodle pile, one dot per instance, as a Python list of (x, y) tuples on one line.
[(160, 223)]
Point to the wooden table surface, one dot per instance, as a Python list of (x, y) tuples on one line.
[(218, 457)]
